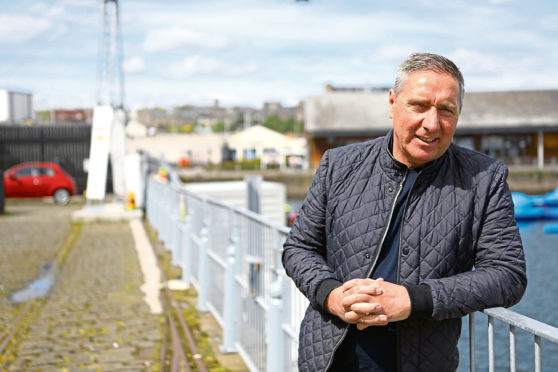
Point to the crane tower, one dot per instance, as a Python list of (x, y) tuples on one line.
[(110, 76), (109, 118)]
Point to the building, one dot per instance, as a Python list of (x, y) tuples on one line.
[(272, 148), (199, 149), (75, 116), (16, 108), (519, 127)]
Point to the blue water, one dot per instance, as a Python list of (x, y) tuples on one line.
[(540, 302)]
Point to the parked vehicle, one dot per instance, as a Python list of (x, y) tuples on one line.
[(31, 180)]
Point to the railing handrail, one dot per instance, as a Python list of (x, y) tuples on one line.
[(525, 323), (179, 188)]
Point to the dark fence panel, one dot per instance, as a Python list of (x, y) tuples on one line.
[(67, 145)]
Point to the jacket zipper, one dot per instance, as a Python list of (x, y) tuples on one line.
[(370, 269)]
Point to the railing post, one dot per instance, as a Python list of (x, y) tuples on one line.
[(512, 349), (274, 352), (175, 239), (472, 342), (164, 215), (186, 246), (177, 230), (203, 263), (537, 353), (231, 295), (490, 344)]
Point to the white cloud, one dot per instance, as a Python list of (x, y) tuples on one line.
[(476, 63), (45, 11), (390, 55), (83, 3), (18, 28), (176, 37), (134, 64), (195, 66), (501, 1)]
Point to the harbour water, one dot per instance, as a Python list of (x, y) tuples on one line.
[(540, 302)]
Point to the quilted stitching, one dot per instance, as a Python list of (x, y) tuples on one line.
[(344, 217)]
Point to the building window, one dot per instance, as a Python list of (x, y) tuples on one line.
[(249, 154)]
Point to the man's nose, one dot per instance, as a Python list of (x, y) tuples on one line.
[(431, 122)]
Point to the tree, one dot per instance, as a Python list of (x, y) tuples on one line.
[(275, 123)]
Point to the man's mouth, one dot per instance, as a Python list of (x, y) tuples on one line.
[(425, 139)]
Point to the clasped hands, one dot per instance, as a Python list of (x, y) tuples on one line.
[(369, 302)]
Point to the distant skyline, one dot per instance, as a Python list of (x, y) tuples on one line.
[(249, 52)]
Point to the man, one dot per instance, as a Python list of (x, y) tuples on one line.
[(401, 236)]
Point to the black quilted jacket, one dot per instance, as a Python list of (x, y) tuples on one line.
[(459, 216)]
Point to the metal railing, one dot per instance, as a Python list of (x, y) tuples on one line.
[(514, 321), (233, 259)]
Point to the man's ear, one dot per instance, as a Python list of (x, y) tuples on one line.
[(391, 101)]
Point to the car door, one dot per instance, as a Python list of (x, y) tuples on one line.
[(30, 181), (44, 181), (22, 185)]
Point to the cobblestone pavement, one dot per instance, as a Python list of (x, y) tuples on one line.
[(95, 319), (31, 233)]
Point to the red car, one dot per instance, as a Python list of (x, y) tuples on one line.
[(30, 180)]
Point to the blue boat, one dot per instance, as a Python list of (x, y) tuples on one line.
[(551, 228), (535, 207)]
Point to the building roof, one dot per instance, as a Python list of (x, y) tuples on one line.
[(366, 112), (347, 112), (510, 108)]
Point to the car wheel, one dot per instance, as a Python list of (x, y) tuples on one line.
[(61, 196)]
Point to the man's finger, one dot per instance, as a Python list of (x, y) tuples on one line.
[(372, 320), (367, 308)]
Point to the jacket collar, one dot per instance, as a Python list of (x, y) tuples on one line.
[(394, 168)]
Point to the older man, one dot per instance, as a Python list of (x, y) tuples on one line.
[(401, 236)]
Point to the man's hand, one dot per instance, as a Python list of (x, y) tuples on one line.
[(367, 302), (395, 302), (340, 301)]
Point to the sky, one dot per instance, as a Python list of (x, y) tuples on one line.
[(245, 53)]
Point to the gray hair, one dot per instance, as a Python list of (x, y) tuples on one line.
[(429, 62)]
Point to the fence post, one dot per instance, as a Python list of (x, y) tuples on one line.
[(203, 262), (168, 218), (231, 295), (186, 246), (175, 239), (274, 352)]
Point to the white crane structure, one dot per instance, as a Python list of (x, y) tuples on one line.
[(109, 118)]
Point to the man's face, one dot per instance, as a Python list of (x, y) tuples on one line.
[(425, 114)]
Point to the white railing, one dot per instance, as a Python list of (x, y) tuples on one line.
[(233, 259), (515, 321)]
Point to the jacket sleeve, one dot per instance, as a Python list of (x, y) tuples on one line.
[(304, 252), (499, 275)]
